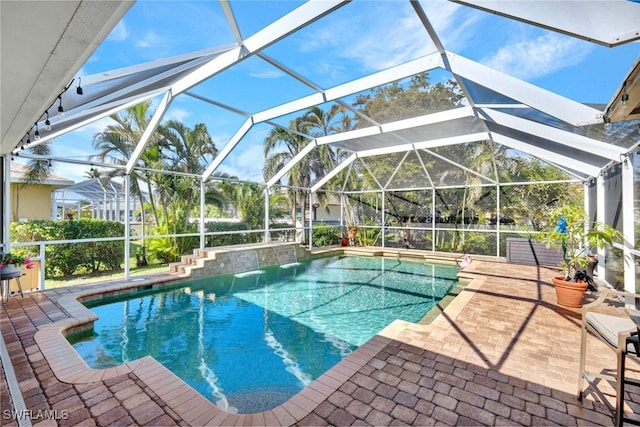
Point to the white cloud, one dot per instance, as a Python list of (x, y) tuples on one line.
[(530, 59), (267, 74), (119, 33), (245, 163), (177, 114), (150, 39), (95, 127), (390, 34)]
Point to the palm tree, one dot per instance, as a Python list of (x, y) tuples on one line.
[(38, 169), (185, 150), (249, 199), (282, 145), (117, 143)]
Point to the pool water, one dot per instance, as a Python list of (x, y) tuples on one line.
[(250, 342)]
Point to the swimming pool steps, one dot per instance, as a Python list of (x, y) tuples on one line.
[(238, 259)]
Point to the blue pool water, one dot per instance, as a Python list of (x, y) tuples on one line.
[(250, 342)]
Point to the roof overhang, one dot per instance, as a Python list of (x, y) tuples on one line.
[(625, 104), (44, 44)]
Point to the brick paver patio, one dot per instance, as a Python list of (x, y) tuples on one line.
[(502, 353)]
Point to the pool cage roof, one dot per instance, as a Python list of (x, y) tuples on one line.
[(496, 108)]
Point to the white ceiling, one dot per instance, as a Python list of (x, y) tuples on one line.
[(43, 45)]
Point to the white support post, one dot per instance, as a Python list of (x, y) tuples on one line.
[(127, 227), (266, 215), (433, 219), (384, 220), (53, 206), (202, 224), (341, 211), (628, 226), (6, 182), (310, 221), (600, 209), (498, 220)]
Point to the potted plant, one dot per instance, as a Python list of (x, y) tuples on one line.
[(11, 264), (568, 228)]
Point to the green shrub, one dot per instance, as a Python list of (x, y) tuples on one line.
[(325, 235), (229, 239), (169, 249), (63, 260)]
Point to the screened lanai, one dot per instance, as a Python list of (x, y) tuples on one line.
[(103, 199), (403, 171)]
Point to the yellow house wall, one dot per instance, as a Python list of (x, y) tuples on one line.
[(30, 202), (29, 281)]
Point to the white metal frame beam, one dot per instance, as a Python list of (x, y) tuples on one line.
[(562, 137), (295, 20), (548, 102), (546, 155), (151, 127)]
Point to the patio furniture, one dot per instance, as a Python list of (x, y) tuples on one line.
[(620, 334)]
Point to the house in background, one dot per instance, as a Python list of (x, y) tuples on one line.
[(32, 201)]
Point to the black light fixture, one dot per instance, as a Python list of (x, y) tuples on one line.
[(60, 109), (607, 121), (79, 90), (47, 123), (624, 99), (37, 133)]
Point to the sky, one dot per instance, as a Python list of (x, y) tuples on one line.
[(361, 38)]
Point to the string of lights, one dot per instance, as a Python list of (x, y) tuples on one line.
[(26, 139)]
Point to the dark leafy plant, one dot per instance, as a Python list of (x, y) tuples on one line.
[(568, 227)]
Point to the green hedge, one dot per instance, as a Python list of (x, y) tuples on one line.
[(276, 231), (326, 235), (63, 260)]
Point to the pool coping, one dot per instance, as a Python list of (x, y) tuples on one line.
[(193, 407)]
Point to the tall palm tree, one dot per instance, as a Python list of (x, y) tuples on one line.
[(117, 143), (185, 150), (282, 145)]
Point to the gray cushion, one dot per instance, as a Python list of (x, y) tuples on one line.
[(608, 327)]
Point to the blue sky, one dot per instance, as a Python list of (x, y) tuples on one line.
[(361, 38)]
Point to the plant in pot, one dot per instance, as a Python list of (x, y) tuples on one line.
[(11, 264), (568, 228)]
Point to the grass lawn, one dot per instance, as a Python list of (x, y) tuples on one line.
[(80, 280)]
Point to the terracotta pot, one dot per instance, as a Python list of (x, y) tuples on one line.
[(569, 294)]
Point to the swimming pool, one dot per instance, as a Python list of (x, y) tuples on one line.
[(250, 342)]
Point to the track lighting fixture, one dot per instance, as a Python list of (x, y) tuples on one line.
[(47, 123), (37, 133), (79, 90), (60, 109)]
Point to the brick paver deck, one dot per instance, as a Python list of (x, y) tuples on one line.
[(502, 353)]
